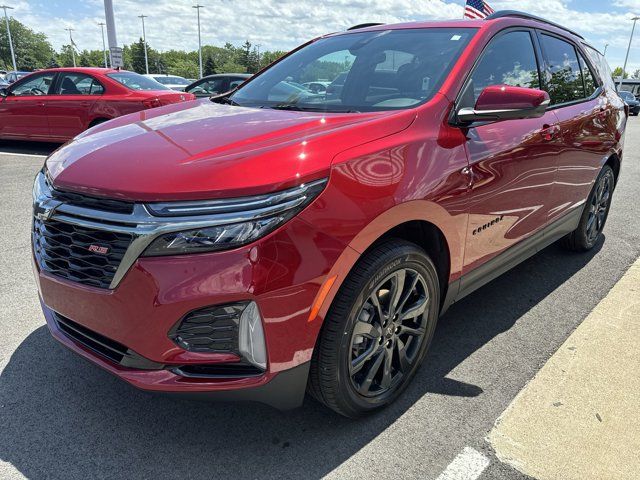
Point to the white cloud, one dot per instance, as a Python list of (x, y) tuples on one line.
[(284, 24)]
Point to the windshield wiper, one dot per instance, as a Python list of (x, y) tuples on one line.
[(226, 98), (303, 108)]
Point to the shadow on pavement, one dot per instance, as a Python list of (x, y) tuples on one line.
[(27, 148), (61, 417)]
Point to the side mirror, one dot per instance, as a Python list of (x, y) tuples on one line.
[(4, 92), (504, 102)]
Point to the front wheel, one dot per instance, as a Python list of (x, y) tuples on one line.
[(377, 331), (594, 216)]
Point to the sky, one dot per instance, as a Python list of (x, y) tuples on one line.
[(284, 24)]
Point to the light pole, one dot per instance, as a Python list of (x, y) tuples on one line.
[(73, 51), (198, 7), (104, 46), (144, 39), (606, 45), (624, 68), (111, 31), (6, 17)]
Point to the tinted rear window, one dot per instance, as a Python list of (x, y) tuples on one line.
[(566, 78), (134, 81)]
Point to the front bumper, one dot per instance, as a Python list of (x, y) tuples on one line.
[(282, 273), (284, 390)]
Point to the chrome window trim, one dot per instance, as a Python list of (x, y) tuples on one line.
[(146, 227)]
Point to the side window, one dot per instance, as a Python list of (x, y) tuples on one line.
[(510, 59), (598, 60), (78, 84), (590, 83), (35, 85), (235, 83), (566, 78), (210, 87)]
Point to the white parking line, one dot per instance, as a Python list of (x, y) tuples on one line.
[(23, 154), (468, 465)]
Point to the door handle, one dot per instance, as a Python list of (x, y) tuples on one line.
[(549, 132), (468, 172)]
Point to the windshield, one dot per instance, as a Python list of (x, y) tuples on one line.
[(135, 81), (172, 80), (366, 71), (627, 96)]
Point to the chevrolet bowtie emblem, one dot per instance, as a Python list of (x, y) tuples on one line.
[(44, 210)]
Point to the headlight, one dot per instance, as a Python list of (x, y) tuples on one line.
[(234, 222)]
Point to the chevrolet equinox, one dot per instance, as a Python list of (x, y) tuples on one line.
[(275, 240)]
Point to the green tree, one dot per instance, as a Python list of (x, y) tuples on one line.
[(137, 56), (244, 55), (65, 57), (267, 58), (618, 71), (209, 66), (32, 49)]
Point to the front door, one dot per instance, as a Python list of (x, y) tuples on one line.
[(512, 162), (22, 111)]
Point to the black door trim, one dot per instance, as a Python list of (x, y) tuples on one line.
[(511, 257)]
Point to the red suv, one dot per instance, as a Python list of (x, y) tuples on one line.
[(276, 240), (56, 105)]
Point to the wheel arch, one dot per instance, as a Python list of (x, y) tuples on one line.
[(422, 222), (614, 162), (97, 121)]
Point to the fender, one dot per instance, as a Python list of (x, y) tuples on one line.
[(416, 210)]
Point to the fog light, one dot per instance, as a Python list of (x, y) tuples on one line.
[(251, 337)]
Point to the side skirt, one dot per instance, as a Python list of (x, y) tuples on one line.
[(508, 259)]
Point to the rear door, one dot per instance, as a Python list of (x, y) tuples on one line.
[(512, 162), (586, 119), (22, 112), (70, 105)]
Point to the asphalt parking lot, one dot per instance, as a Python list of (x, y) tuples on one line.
[(61, 417)]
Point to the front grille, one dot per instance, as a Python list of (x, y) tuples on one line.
[(86, 201), (100, 344), (63, 249)]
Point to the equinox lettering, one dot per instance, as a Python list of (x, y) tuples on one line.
[(487, 225)]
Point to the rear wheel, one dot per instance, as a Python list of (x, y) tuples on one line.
[(595, 214), (97, 121), (377, 331)]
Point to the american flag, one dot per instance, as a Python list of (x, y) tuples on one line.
[(477, 9)]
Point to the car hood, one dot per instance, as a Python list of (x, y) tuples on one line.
[(201, 150)]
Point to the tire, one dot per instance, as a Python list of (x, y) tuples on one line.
[(594, 216), (359, 335), (96, 122)]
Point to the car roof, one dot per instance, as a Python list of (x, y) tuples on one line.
[(94, 70), (217, 75), (500, 19)]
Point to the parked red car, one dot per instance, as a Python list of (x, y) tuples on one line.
[(57, 104), (251, 247)]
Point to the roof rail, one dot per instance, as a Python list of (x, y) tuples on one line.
[(528, 16), (364, 25)]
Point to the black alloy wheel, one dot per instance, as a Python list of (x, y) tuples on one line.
[(377, 330), (594, 215), (389, 332)]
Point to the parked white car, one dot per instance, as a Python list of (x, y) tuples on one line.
[(174, 82)]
